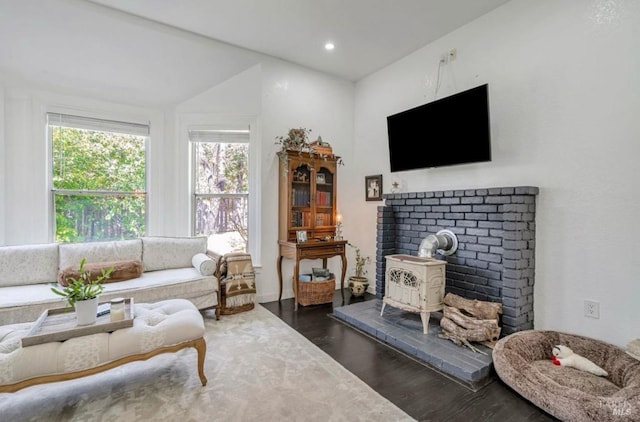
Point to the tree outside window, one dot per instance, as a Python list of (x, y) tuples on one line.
[(98, 178), (221, 188)]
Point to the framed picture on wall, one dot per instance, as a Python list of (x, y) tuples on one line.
[(373, 187)]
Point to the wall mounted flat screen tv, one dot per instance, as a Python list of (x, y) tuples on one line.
[(448, 131)]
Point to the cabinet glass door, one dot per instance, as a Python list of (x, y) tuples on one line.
[(301, 197), (324, 198)]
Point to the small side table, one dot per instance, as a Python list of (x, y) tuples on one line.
[(311, 249)]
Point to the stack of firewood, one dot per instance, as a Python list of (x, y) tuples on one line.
[(467, 320)]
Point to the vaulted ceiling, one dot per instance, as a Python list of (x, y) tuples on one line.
[(164, 51), (368, 34)]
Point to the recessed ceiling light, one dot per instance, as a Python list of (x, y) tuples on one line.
[(329, 46)]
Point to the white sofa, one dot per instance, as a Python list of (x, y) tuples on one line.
[(27, 273)]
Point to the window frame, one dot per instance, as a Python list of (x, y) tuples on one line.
[(189, 122), (52, 191), (195, 196)]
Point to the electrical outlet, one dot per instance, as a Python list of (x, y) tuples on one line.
[(591, 309), (452, 54)]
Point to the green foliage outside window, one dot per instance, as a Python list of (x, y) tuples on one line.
[(99, 185)]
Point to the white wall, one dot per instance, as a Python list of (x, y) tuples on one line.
[(563, 82), (25, 177), (238, 95), (295, 97)]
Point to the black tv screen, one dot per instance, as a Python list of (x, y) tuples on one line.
[(448, 131)]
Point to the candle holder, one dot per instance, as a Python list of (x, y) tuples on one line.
[(338, 235), (117, 309)]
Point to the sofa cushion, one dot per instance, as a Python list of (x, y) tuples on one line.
[(161, 253), (28, 264), (122, 270), (204, 263), (116, 250)]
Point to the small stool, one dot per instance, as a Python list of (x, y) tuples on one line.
[(236, 275)]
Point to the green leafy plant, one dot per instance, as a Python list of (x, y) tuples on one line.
[(361, 261), (297, 139), (83, 287)]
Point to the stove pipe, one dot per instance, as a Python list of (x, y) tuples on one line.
[(444, 242)]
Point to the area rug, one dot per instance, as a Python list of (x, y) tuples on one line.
[(259, 369)]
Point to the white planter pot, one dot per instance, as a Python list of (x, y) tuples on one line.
[(86, 311)]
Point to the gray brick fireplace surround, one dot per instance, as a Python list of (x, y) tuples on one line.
[(495, 260)]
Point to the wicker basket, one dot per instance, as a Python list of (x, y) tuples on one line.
[(316, 292)]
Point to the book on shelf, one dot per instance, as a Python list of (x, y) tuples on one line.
[(323, 219), (300, 197), (323, 198), (300, 218)]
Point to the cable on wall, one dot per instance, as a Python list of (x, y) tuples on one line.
[(441, 62), (445, 58)]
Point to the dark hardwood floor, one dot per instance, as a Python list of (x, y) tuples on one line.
[(422, 392)]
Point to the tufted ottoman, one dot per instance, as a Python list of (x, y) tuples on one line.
[(161, 327)]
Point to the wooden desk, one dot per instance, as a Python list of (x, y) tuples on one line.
[(312, 249)]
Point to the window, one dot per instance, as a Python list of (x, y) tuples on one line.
[(98, 178), (220, 181)]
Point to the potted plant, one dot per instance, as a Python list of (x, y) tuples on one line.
[(297, 139), (82, 293), (358, 283)]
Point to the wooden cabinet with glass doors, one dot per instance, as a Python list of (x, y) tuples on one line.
[(307, 196)]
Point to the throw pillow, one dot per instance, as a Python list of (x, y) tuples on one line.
[(203, 263), (162, 253), (105, 251), (122, 270)]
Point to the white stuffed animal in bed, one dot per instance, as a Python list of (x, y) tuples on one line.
[(564, 356)]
